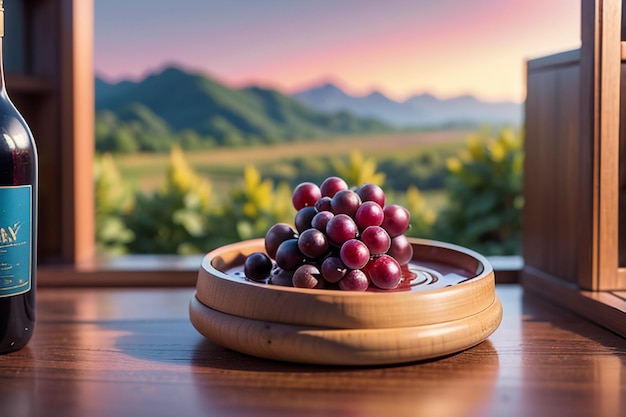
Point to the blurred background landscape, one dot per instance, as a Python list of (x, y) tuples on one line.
[(208, 113)]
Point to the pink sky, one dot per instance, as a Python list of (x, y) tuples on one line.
[(398, 47)]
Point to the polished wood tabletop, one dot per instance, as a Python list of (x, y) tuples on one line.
[(133, 352)]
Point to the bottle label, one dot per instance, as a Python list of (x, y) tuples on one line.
[(15, 240)]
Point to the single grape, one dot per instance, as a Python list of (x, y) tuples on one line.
[(369, 213), (258, 266), (401, 249), (396, 220), (320, 220), (313, 243), (355, 280), (288, 255), (354, 254), (385, 272), (323, 204), (371, 192), (377, 239), (303, 218), (307, 276), (331, 185), (333, 269), (276, 235), (305, 194), (341, 228), (345, 202)]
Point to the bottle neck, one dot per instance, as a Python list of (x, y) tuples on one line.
[(1, 40)]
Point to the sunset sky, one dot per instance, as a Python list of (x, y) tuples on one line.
[(397, 47)]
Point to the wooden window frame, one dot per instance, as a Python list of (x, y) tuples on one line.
[(574, 110)]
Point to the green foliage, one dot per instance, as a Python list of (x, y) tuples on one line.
[(359, 170), (254, 207), (485, 195), (114, 201), (175, 218)]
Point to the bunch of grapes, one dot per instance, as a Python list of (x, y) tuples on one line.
[(343, 238)]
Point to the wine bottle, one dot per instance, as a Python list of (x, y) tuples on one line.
[(18, 221)]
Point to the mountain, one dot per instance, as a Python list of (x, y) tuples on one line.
[(178, 101), (423, 110)]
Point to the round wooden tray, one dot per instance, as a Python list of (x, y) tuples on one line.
[(450, 283), (447, 304), (346, 347)]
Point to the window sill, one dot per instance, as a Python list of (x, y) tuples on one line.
[(178, 271)]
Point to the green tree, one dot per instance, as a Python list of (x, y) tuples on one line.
[(484, 186)]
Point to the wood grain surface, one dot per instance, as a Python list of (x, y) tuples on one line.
[(125, 352)]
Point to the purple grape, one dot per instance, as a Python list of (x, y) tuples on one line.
[(396, 220), (323, 204), (258, 266), (355, 280), (305, 194), (354, 254), (401, 249), (341, 228), (313, 243), (333, 269), (369, 213), (320, 220), (303, 218), (331, 185), (345, 202), (377, 239), (276, 235), (371, 192), (307, 276), (288, 255), (385, 272)]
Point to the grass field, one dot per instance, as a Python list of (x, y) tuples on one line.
[(145, 171)]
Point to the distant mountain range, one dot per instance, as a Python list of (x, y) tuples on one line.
[(417, 111), (174, 101), (173, 104)]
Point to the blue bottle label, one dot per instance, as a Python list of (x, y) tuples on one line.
[(15, 240)]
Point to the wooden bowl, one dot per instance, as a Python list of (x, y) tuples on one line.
[(448, 305), (451, 283)]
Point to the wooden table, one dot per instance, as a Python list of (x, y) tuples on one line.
[(133, 352)]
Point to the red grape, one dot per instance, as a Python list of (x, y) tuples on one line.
[(345, 202), (371, 192), (323, 204), (320, 220), (303, 218), (307, 276), (369, 213), (385, 272), (377, 240), (258, 266), (355, 280), (341, 228), (401, 249), (354, 254), (305, 194), (288, 255), (333, 269), (396, 220), (276, 235), (331, 185), (313, 243)]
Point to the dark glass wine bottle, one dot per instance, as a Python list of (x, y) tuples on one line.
[(18, 222)]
